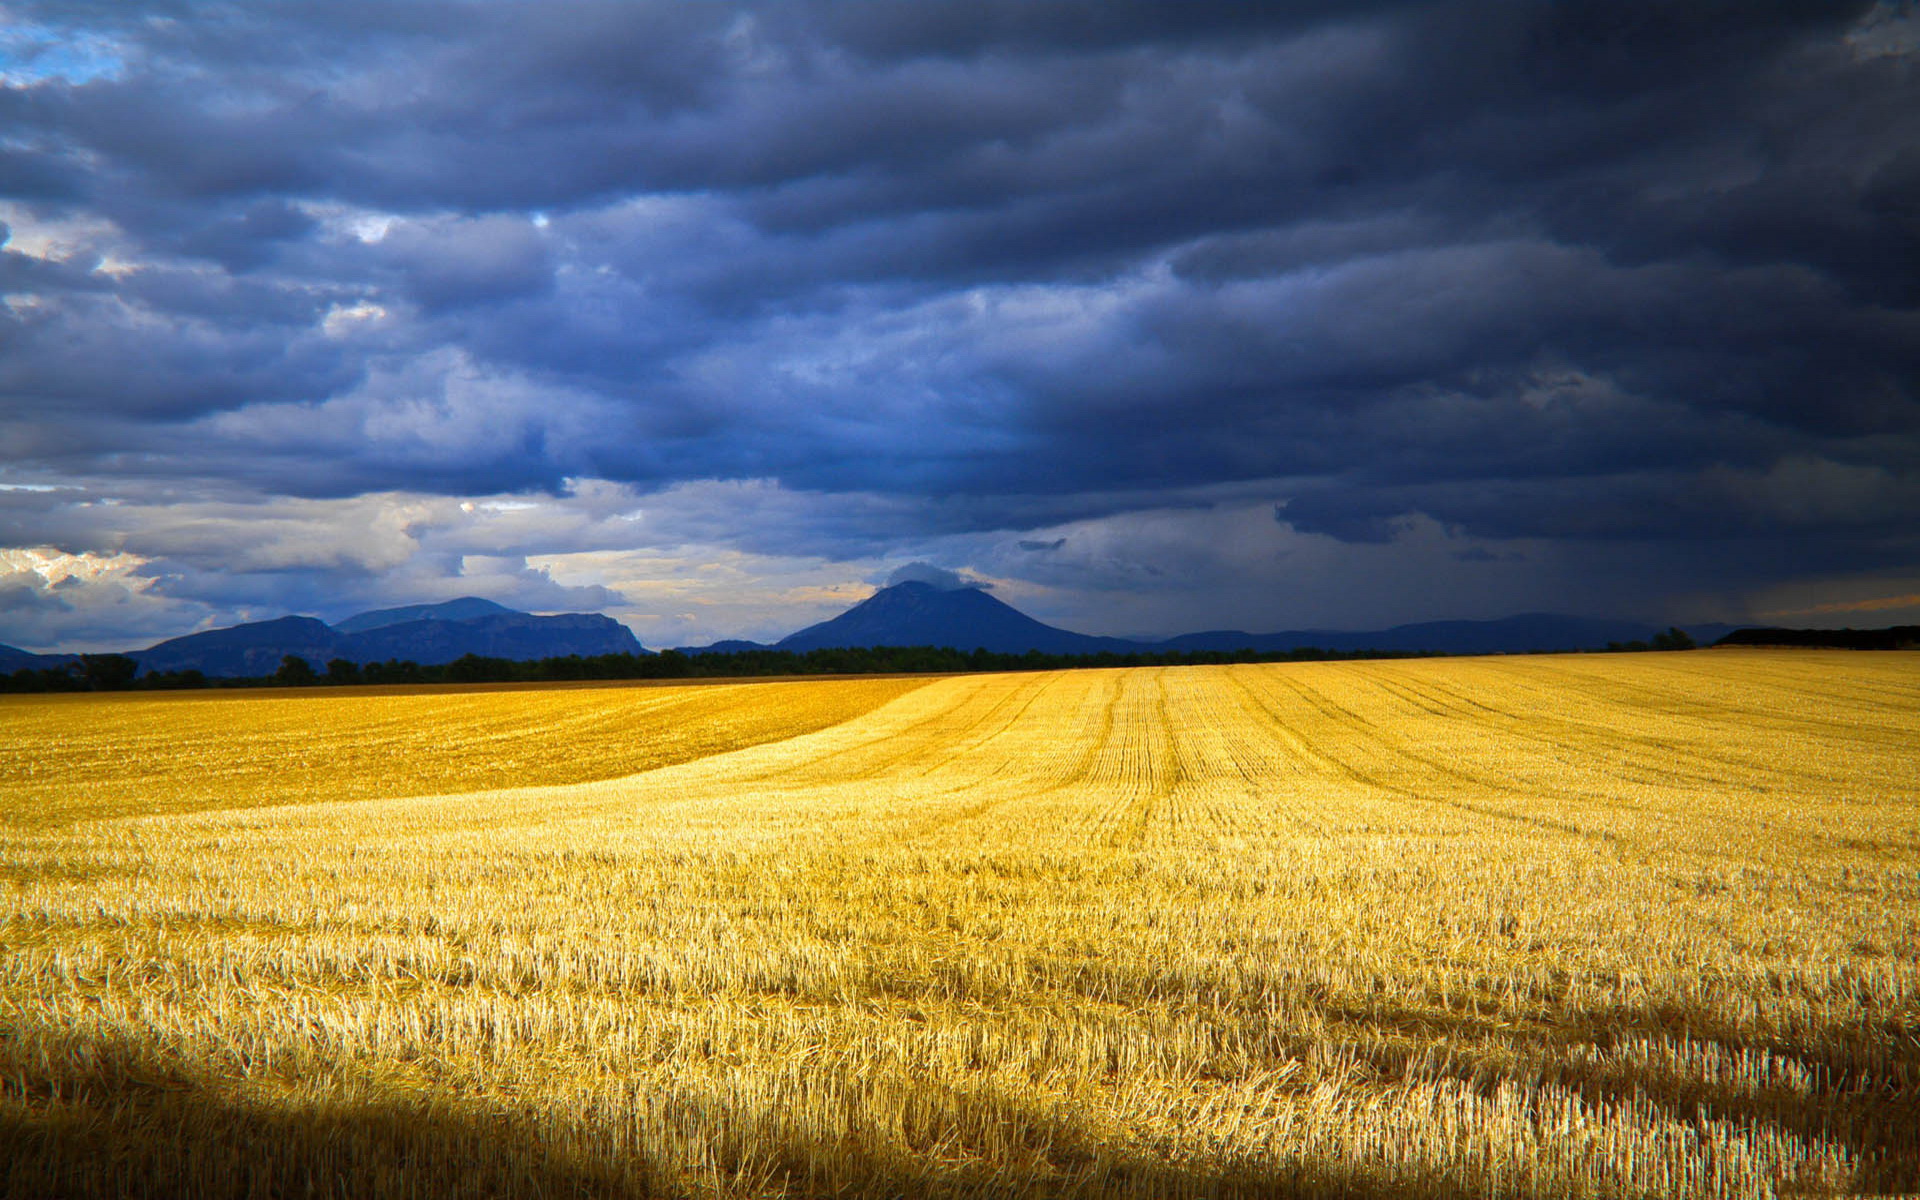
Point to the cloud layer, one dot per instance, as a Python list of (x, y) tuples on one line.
[(938, 577), (994, 284)]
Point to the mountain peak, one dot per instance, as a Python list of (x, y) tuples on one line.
[(917, 612), (465, 608)]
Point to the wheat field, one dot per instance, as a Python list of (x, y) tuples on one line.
[(1636, 925)]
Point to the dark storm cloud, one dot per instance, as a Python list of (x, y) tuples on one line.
[(1630, 270)]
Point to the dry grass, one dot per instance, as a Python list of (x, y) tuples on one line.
[(1597, 926), (72, 757)]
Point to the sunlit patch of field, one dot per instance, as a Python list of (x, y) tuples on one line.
[(1590, 926), (71, 757)]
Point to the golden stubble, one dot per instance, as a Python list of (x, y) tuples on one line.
[(1580, 925), (74, 757)]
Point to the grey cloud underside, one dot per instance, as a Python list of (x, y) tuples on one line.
[(1620, 270)]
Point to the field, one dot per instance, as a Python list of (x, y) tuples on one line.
[(1552, 926)]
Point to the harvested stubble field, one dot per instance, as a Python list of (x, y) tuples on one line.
[(1600, 925)]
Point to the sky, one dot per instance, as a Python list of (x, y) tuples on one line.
[(1152, 317)]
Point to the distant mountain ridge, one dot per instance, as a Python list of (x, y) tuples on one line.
[(496, 635), (465, 608), (13, 658), (1506, 635), (255, 648), (922, 614), (910, 613), (726, 646), (429, 634)]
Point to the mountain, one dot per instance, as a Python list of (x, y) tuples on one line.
[(441, 635), (504, 634), (726, 646), (251, 649), (911, 613), (921, 614), (465, 608), (1508, 635), (12, 659)]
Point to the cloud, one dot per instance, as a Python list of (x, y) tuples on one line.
[(830, 283), (56, 601), (939, 577)]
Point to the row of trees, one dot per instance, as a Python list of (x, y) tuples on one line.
[(98, 673), (1674, 638), (117, 672), (673, 664)]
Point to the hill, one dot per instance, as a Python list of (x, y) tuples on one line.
[(255, 648), (923, 614), (966, 618), (505, 634), (463, 609), (12, 659), (426, 634), (725, 646)]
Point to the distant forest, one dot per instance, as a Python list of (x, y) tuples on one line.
[(120, 672)]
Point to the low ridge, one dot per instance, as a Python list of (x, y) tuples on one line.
[(490, 630), (462, 609)]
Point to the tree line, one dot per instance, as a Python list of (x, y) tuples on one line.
[(1674, 638), (119, 672)]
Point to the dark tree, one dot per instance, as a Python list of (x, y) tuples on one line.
[(295, 672), (171, 680), (342, 670), (474, 668), (107, 672)]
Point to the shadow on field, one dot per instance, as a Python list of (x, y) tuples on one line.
[(1865, 1075), (109, 1119), (83, 1118)]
